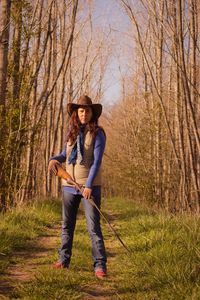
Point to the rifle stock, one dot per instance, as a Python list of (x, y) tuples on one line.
[(63, 174), (66, 176)]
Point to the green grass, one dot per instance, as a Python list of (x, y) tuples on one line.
[(23, 224), (164, 264)]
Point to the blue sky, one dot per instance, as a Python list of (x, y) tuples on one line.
[(110, 16)]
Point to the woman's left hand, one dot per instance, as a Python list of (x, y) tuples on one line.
[(87, 193)]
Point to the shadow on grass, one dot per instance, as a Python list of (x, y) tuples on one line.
[(98, 291), (147, 288)]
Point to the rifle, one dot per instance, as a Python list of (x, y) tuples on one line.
[(66, 176)]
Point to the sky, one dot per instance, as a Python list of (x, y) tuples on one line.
[(110, 16)]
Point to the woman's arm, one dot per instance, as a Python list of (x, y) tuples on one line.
[(55, 159), (60, 157)]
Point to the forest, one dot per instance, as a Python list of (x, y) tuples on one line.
[(51, 52)]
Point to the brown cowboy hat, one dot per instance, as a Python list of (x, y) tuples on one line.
[(85, 101)]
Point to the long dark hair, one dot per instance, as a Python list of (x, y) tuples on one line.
[(74, 126)]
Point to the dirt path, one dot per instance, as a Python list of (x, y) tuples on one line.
[(25, 265)]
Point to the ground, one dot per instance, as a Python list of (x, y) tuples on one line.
[(26, 263)]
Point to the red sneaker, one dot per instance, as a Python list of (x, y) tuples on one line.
[(99, 273), (59, 265)]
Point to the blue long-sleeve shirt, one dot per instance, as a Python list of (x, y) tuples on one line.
[(99, 146)]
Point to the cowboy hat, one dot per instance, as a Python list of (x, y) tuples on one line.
[(85, 101)]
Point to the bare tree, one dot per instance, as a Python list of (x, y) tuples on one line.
[(167, 38), (4, 43)]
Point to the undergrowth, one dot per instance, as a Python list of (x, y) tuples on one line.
[(164, 262)]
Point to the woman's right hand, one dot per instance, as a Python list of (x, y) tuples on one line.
[(52, 166)]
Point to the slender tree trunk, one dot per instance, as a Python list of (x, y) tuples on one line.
[(4, 43)]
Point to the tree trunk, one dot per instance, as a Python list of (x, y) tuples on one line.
[(4, 43)]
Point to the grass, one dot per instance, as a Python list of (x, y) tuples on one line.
[(23, 224), (164, 263)]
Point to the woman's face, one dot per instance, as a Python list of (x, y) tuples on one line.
[(85, 114)]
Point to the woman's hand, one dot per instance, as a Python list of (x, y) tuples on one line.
[(87, 193), (52, 166)]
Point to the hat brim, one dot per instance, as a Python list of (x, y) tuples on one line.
[(96, 108)]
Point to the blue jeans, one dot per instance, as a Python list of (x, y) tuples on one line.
[(70, 207)]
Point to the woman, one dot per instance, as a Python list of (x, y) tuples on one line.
[(83, 155)]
